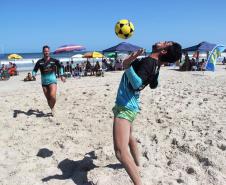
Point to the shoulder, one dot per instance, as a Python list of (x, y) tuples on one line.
[(40, 61), (54, 60), (149, 60), (149, 63), (145, 63)]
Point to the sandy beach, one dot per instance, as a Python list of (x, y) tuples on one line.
[(181, 131)]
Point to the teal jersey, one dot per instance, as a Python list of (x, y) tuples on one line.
[(140, 74), (48, 70), (127, 96)]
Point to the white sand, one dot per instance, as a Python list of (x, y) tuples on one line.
[(181, 126)]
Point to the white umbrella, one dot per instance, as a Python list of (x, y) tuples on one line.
[(77, 56)]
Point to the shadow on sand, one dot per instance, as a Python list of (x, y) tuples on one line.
[(31, 112), (115, 166), (75, 170)]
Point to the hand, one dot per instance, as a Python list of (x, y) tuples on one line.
[(63, 79), (127, 62), (138, 53)]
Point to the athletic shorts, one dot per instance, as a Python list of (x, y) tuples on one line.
[(124, 113), (44, 85)]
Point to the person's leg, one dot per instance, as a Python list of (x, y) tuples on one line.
[(121, 135), (52, 88), (133, 148), (45, 91)]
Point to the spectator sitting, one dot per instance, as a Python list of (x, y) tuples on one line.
[(29, 78), (202, 65), (12, 70), (194, 65), (4, 73), (72, 66), (77, 70), (67, 70), (88, 68), (97, 69), (68, 67), (118, 65)]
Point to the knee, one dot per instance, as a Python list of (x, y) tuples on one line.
[(52, 97), (132, 140), (120, 154)]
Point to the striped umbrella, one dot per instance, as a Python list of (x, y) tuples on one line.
[(70, 47), (93, 54), (14, 56)]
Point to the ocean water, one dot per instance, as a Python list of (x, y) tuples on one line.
[(29, 59), (39, 55)]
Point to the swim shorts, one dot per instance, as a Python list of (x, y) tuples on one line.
[(124, 113)]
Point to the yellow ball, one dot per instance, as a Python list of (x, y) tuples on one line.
[(124, 29)]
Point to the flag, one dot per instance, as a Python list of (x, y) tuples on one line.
[(212, 59)]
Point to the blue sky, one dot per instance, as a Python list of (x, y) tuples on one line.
[(27, 25)]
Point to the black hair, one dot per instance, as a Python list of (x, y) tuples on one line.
[(174, 53), (44, 47)]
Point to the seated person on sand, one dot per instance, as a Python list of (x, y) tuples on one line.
[(118, 65), (88, 68), (202, 65), (4, 75), (67, 70), (77, 70), (29, 77), (97, 69), (12, 70)]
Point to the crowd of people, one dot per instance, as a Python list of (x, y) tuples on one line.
[(7, 71), (88, 68), (70, 69), (193, 64)]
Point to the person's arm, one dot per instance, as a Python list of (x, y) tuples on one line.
[(61, 70), (133, 78), (127, 62), (35, 70)]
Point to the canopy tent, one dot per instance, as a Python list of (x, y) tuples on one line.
[(123, 47), (68, 48), (202, 46), (14, 56)]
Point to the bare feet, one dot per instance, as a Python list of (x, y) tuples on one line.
[(53, 112)]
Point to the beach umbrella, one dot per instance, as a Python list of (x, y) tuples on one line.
[(77, 56), (93, 54), (68, 48), (14, 56)]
